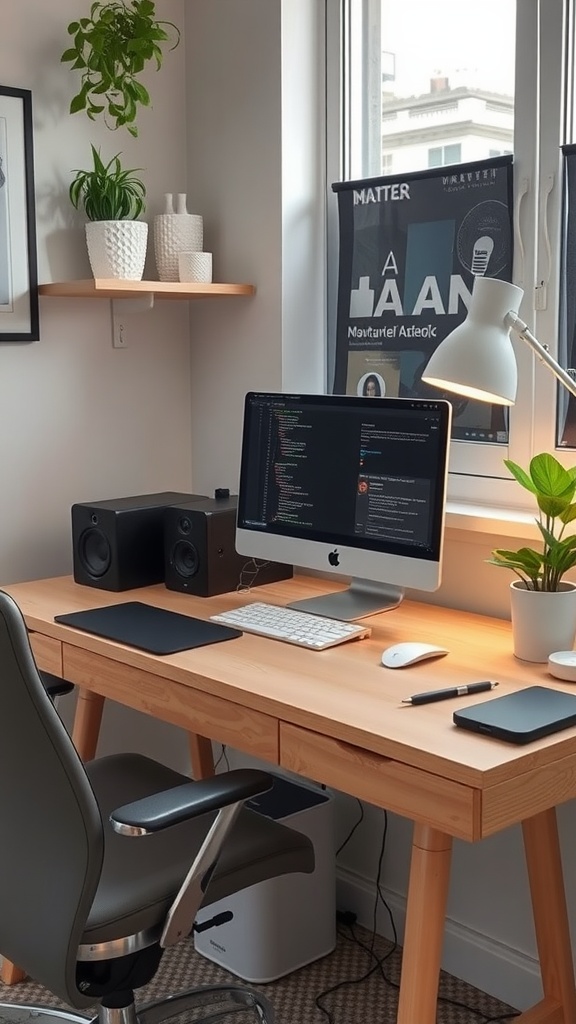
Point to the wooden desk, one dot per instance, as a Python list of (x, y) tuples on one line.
[(335, 716)]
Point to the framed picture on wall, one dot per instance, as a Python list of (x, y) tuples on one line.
[(18, 264)]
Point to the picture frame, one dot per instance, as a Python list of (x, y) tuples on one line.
[(19, 319)]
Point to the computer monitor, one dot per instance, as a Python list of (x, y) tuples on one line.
[(350, 485)]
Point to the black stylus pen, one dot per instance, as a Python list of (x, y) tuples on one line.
[(453, 691)]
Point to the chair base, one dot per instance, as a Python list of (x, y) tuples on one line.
[(200, 1005), (21, 1013), (222, 1001)]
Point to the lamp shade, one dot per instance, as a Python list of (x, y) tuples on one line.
[(477, 359)]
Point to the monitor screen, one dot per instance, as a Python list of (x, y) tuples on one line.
[(350, 485)]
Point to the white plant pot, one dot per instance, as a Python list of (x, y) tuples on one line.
[(117, 248), (542, 622)]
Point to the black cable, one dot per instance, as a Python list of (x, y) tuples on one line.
[(379, 961), (353, 829), (394, 984), (356, 981), (223, 757)]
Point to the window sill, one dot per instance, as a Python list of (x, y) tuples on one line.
[(483, 519)]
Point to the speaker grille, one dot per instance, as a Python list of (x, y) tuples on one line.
[(94, 552), (185, 559)]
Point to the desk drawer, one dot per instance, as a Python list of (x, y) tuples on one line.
[(47, 652), (189, 707), (414, 793)]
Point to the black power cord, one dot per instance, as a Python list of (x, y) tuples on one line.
[(348, 919), (223, 757), (379, 896)]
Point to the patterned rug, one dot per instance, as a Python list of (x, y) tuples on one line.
[(357, 990)]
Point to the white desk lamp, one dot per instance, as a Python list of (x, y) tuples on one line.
[(477, 359)]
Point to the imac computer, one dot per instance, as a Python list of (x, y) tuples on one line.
[(347, 485)]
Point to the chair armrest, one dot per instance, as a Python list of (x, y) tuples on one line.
[(172, 806), (55, 686)]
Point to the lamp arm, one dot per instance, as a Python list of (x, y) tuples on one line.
[(523, 332)]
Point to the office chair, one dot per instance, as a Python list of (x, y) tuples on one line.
[(104, 865)]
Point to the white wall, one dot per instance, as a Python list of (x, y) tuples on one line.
[(82, 421)]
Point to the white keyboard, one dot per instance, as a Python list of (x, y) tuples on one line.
[(294, 627)]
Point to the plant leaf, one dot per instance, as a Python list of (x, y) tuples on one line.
[(525, 558), (78, 103), (520, 475), (568, 514), (550, 477)]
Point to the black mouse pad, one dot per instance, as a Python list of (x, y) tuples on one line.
[(522, 716), (151, 629)]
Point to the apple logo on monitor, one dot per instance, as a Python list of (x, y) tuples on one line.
[(334, 557)]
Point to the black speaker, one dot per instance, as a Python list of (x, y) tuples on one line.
[(118, 544), (200, 557)]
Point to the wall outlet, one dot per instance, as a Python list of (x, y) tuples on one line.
[(119, 334)]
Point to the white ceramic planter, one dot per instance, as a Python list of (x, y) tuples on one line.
[(117, 248), (542, 622)]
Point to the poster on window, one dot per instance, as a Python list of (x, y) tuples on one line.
[(410, 248)]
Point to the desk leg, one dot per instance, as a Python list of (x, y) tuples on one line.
[(201, 756), (10, 974), (545, 874), (87, 721), (425, 920)]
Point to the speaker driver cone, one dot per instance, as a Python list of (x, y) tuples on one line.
[(185, 559), (94, 552)]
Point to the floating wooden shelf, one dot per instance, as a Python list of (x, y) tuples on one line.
[(117, 289)]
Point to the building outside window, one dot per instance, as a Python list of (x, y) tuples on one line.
[(440, 156)]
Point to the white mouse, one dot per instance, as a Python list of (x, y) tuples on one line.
[(401, 655)]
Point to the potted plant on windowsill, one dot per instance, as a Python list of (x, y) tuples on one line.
[(543, 603), (113, 198)]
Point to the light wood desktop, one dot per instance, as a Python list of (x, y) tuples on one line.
[(335, 716)]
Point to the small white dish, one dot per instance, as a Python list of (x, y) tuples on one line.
[(562, 664)]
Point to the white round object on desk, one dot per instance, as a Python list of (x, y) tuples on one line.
[(562, 664)]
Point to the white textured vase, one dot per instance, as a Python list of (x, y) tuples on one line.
[(542, 622), (174, 233), (117, 248)]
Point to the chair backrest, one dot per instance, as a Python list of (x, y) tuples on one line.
[(51, 848)]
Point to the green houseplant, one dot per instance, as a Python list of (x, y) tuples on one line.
[(110, 49), (113, 198), (108, 191), (542, 602), (554, 488)]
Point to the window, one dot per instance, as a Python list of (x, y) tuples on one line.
[(440, 156), (418, 96)]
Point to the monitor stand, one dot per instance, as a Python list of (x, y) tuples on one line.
[(362, 598)]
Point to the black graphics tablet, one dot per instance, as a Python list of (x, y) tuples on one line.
[(151, 629), (521, 717)]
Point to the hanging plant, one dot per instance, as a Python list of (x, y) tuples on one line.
[(111, 48)]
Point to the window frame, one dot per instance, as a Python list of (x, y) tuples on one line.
[(541, 27)]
